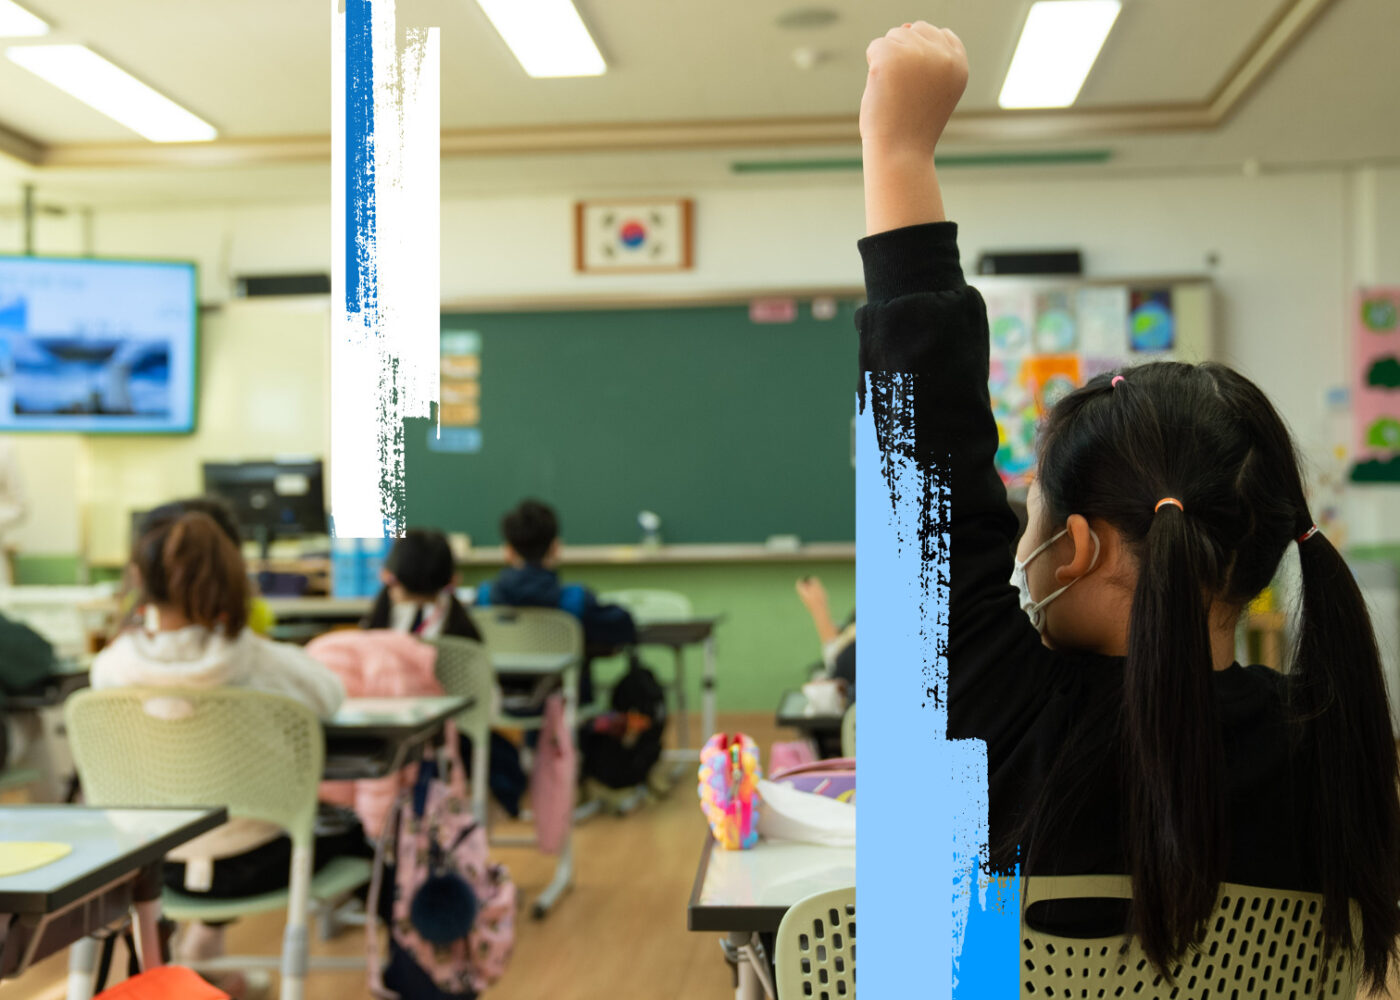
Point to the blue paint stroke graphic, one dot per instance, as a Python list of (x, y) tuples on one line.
[(924, 803), (360, 278)]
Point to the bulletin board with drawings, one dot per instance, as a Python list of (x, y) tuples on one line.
[(1048, 337)]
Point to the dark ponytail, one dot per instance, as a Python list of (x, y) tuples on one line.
[(190, 562), (1338, 699), (1173, 760)]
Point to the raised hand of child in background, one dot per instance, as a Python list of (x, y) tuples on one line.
[(917, 75), (813, 597)]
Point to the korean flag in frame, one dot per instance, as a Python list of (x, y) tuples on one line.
[(633, 236)]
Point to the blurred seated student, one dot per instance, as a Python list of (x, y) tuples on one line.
[(26, 661), (260, 617), (838, 644), (531, 579), (194, 633), (417, 597)]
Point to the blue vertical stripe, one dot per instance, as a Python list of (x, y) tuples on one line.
[(925, 920), (360, 289)]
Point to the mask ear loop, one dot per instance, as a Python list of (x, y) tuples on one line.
[(1098, 549)]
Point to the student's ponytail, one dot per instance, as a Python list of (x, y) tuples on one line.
[(1173, 755), (1336, 690), (191, 564)]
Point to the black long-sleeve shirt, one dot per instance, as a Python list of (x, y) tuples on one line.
[(1004, 686)]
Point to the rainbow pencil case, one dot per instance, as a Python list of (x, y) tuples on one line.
[(728, 787)]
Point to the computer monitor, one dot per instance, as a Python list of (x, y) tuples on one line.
[(272, 499)]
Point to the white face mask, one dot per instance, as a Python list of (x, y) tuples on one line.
[(1035, 610)]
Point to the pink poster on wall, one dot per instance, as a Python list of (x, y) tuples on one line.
[(1376, 385)]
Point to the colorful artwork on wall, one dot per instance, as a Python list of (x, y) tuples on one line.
[(1376, 385)]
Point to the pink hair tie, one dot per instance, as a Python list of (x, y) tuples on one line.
[(1308, 534), (1114, 383)]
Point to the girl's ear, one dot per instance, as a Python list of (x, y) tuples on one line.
[(1083, 559)]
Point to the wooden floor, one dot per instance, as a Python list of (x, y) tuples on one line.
[(619, 934)]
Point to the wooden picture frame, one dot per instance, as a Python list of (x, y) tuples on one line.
[(634, 236)]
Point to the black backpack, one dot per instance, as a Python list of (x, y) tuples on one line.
[(621, 747)]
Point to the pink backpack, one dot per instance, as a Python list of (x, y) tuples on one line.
[(453, 911), (376, 663), (788, 754)]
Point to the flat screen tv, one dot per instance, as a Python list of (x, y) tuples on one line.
[(90, 345)]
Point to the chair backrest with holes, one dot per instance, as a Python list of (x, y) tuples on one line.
[(529, 630), (816, 947), (1260, 942), (651, 605), (464, 669), (260, 755)]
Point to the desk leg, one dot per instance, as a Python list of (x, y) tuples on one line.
[(753, 983), (82, 965), (146, 918), (707, 689)]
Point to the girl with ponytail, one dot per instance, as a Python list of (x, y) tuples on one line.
[(1122, 737), (191, 631)]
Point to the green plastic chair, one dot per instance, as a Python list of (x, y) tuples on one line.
[(1260, 941), (532, 630), (650, 605), (815, 954), (464, 669), (539, 630), (848, 732), (259, 755)]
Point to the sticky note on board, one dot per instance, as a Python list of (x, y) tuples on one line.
[(454, 440), (463, 366), (459, 414)]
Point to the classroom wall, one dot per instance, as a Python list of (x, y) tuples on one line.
[(1284, 250)]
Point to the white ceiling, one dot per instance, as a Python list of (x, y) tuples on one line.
[(261, 68)]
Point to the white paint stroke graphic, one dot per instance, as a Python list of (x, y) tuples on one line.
[(384, 336)]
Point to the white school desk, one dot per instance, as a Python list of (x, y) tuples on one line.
[(372, 737), (301, 618), (676, 634), (793, 713), (744, 893), (114, 867)]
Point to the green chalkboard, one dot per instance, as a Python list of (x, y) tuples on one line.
[(730, 430)]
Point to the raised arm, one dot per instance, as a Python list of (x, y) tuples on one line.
[(924, 336), (916, 77)]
